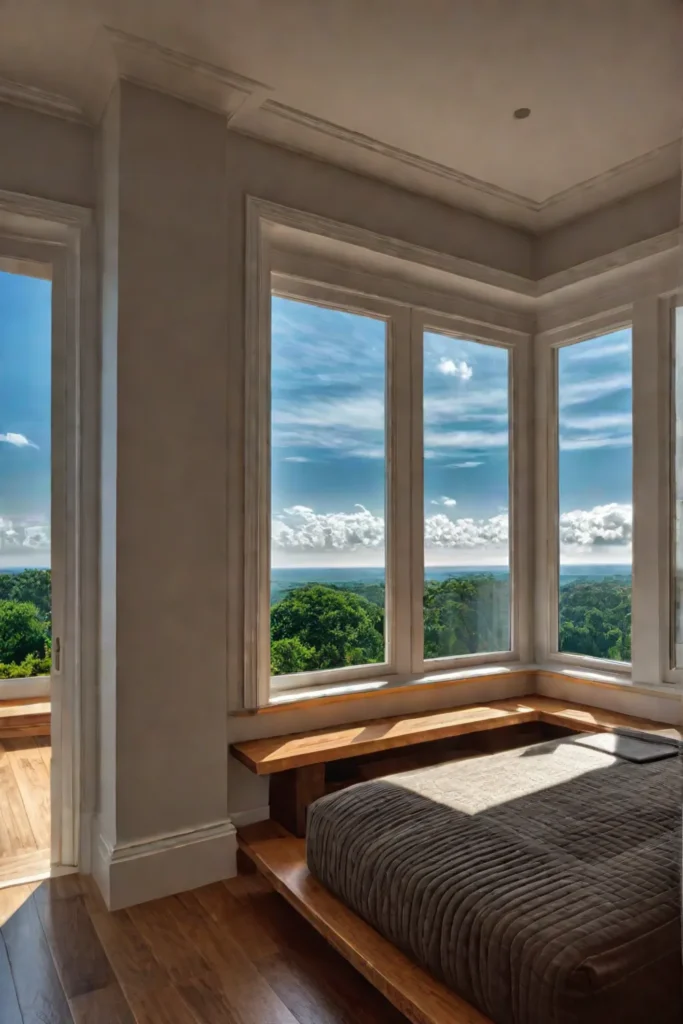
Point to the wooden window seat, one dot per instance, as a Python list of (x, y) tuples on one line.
[(299, 762)]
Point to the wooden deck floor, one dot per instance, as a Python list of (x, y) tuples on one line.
[(24, 808), (230, 953)]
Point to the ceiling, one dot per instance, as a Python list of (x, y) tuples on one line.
[(419, 91)]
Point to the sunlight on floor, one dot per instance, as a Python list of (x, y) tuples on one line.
[(24, 808)]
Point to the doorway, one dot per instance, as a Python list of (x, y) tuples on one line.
[(26, 615)]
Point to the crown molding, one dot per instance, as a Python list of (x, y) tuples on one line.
[(617, 183), (188, 78), (30, 97), (252, 108)]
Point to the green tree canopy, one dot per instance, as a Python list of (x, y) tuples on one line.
[(22, 632), (32, 585), (316, 627)]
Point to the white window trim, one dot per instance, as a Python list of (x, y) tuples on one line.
[(270, 260), (648, 318), (671, 653), (614, 289), (58, 235)]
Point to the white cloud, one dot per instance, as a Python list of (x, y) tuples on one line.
[(602, 525), (596, 430), (588, 390), (443, 532), (613, 348), (470, 464), (295, 458), (468, 439), (23, 534), (453, 368), (600, 533), (443, 500), (300, 529), (18, 440)]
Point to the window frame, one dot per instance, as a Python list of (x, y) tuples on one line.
[(397, 494), (548, 345), (519, 479), (649, 320), (406, 322)]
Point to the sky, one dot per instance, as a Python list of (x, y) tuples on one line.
[(328, 445), (25, 431)]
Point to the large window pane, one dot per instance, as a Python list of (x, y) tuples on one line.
[(327, 488), (595, 496), (466, 493), (25, 476)]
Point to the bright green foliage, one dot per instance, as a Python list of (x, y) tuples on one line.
[(30, 666), (331, 627), (595, 619), (32, 585), (466, 615), (317, 626), (25, 623), (22, 631)]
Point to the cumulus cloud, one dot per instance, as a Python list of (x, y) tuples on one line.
[(453, 368), (602, 525), (18, 440), (444, 500), (300, 530), (17, 535)]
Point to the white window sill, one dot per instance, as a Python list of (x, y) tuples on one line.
[(468, 674)]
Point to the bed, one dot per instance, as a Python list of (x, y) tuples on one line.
[(542, 884)]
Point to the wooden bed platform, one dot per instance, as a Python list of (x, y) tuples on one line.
[(298, 763), (281, 858)]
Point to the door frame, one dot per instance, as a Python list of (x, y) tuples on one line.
[(34, 234)]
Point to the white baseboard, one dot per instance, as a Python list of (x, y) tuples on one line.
[(250, 817), (142, 870)]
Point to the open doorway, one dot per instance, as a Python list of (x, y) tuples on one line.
[(26, 614)]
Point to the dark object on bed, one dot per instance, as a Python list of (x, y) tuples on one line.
[(542, 883)]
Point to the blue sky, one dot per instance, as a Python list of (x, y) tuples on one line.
[(328, 444), (25, 433)]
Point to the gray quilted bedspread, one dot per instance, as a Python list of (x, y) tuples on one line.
[(542, 883)]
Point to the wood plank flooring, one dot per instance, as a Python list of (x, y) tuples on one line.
[(24, 809), (230, 953)]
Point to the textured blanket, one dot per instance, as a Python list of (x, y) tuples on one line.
[(542, 884)]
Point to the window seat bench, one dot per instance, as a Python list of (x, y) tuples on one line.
[(298, 762)]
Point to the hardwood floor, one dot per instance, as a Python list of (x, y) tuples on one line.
[(24, 808), (230, 953)]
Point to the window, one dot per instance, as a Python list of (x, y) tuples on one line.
[(25, 475), (466, 497), (328, 473), (413, 510), (595, 472)]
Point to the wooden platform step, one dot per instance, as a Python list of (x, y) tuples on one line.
[(281, 859), (20, 718)]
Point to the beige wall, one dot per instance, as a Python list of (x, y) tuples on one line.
[(46, 156), (644, 215), (171, 371)]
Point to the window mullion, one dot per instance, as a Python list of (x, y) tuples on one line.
[(398, 504), (416, 548), (651, 419)]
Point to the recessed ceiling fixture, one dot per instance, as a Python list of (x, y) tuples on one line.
[(521, 112)]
